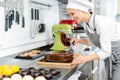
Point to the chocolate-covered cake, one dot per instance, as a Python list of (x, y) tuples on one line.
[(58, 57)]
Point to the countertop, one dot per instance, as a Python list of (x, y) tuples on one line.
[(23, 63)]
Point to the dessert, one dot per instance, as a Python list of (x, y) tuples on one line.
[(30, 53), (24, 72), (54, 71), (23, 54), (31, 73), (31, 69), (40, 78), (58, 57), (16, 77), (36, 51), (42, 70), (28, 77), (6, 78), (48, 75), (35, 74)]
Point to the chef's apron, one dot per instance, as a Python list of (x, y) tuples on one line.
[(114, 58)]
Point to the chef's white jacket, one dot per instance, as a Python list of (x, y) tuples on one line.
[(108, 30)]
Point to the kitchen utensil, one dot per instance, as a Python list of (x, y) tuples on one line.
[(32, 23), (8, 19), (6, 24), (17, 20), (22, 14), (69, 49), (23, 21), (41, 28), (12, 15), (42, 24), (32, 14), (58, 29), (37, 14)]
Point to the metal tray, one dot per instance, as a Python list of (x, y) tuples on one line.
[(28, 57)]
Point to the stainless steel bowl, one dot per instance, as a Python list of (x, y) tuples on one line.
[(74, 35)]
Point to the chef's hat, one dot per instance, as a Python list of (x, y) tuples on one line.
[(83, 5)]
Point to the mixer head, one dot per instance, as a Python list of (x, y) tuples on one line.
[(58, 29), (62, 28)]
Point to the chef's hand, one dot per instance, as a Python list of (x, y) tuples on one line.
[(80, 60), (76, 41)]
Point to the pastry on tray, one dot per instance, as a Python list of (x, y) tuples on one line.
[(30, 53), (24, 54)]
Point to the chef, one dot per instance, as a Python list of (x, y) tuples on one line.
[(103, 32)]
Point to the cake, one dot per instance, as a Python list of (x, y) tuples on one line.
[(58, 57)]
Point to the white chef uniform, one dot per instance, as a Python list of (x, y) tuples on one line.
[(98, 30), (108, 31), (104, 33)]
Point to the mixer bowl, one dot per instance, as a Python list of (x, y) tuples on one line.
[(73, 35)]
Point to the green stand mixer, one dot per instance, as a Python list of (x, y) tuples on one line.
[(58, 30)]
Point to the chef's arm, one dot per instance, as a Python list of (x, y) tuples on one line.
[(82, 41), (92, 57), (83, 59), (98, 55)]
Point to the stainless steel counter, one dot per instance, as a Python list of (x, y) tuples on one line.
[(23, 63)]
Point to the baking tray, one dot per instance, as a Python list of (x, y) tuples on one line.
[(41, 62), (28, 57), (54, 77), (66, 65)]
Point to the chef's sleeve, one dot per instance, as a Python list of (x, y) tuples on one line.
[(105, 31)]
